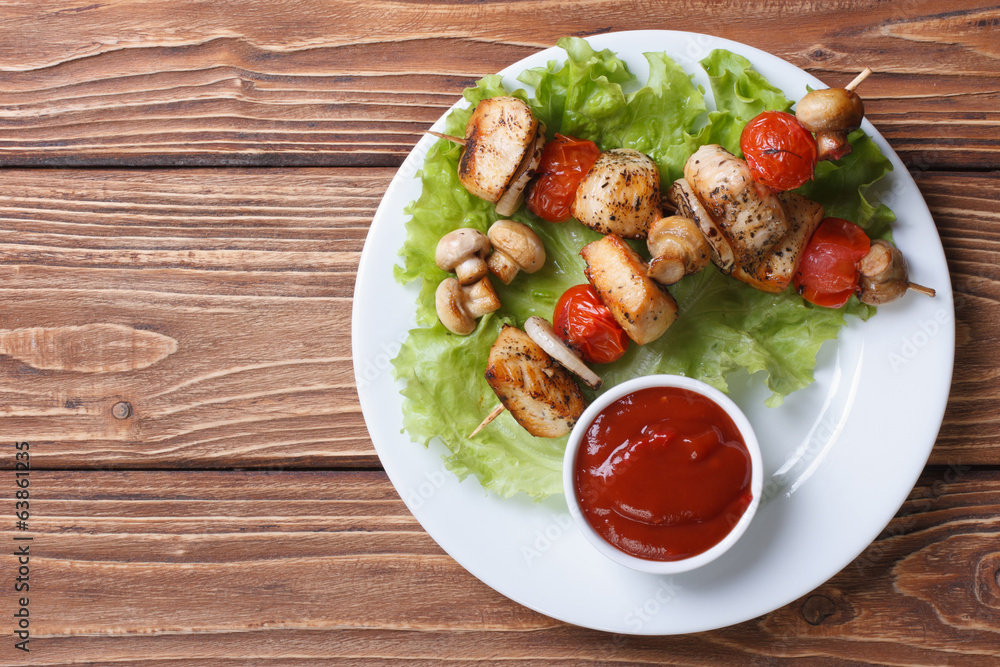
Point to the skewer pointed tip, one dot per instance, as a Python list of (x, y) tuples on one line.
[(929, 291), (858, 79), (490, 417), (448, 137)]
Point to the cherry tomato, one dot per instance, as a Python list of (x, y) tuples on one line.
[(780, 152), (564, 163), (828, 274), (587, 326)]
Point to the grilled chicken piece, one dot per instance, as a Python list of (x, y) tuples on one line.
[(619, 195), (775, 271), (748, 213), (637, 303), (501, 141), (776, 268), (539, 393), (687, 203)]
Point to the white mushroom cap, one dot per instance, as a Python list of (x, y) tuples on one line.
[(515, 248), (463, 251), (458, 307)]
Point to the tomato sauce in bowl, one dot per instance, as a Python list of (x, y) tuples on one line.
[(664, 473)]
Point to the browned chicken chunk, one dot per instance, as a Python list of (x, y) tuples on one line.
[(540, 394), (757, 236), (748, 213), (619, 195), (502, 149), (636, 301), (775, 270)]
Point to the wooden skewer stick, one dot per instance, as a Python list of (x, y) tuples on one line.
[(490, 417), (858, 79), (454, 140), (929, 291)]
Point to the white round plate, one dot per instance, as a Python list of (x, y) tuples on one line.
[(840, 456)]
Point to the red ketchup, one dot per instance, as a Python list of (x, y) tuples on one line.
[(663, 474)]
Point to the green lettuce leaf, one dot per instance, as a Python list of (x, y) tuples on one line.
[(740, 94), (842, 186), (723, 325), (578, 96)]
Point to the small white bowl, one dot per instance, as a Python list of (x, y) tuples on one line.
[(624, 389)]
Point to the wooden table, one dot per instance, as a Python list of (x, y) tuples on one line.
[(187, 186)]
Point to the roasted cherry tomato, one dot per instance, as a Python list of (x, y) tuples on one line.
[(780, 152), (585, 323), (828, 274), (565, 161)]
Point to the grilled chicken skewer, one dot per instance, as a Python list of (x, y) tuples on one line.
[(620, 193), (831, 114), (540, 394), (545, 337), (501, 151), (756, 235)]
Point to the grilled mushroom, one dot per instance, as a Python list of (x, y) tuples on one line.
[(463, 251), (678, 248), (515, 248), (883, 276), (459, 306), (832, 114)]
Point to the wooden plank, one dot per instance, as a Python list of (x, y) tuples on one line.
[(182, 82), (966, 208), (239, 283), (307, 568)]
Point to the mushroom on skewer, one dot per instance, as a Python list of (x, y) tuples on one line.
[(688, 205), (831, 114), (546, 337), (883, 276), (677, 247)]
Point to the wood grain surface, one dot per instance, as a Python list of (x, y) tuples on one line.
[(354, 82), (302, 568), (243, 278), (185, 191)]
